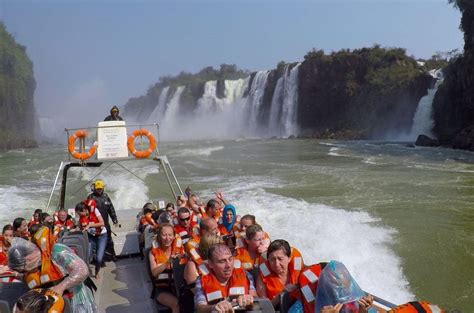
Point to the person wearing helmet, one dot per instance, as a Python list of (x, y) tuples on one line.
[(114, 115), (106, 209)]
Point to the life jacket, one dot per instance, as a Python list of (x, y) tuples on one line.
[(3, 252), (237, 285), (9, 277), (243, 255), (235, 230), (308, 283), (147, 219), (62, 226), (417, 307), (58, 305), (270, 279), (32, 221), (166, 278), (48, 272), (91, 205), (192, 250), (187, 234)]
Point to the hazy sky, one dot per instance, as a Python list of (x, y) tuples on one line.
[(89, 55)]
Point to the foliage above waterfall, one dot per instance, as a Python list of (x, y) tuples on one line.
[(454, 102), (17, 86), (369, 92), (143, 105)]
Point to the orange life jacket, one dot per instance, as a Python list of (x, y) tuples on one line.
[(187, 234), (308, 282), (58, 305), (243, 255), (237, 285), (417, 307), (61, 226), (147, 219), (48, 272), (192, 249), (166, 277), (270, 279)]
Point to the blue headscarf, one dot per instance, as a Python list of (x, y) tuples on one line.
[(336, 285), (228, 226)]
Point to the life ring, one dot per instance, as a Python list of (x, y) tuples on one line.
[(72, 150), (141, 154)]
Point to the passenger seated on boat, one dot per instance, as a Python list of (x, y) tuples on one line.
[(229, 219), (182, 201), (213, 210), (63, 223), (224, 285), (246, 221), (166, 247), (196, 205), (338, 292), (5, 243), (256, 244), (170, 209), (47, 220), (20, 228), (207, 226), (279, 270), (35, 219), (47, 264), (196, 265), (186, 228)]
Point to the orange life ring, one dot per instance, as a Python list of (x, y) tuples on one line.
[(141, 154), (72, 150)]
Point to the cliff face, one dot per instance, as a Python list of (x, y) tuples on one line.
[(17, 86), (366, 93), (454, 102)]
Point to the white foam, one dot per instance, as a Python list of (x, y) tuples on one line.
[(199, 151), (333, 151), (323, 233)]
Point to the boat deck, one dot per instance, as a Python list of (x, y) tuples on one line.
[(124, 285)]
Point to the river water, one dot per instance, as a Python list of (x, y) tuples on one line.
[(400, 218)]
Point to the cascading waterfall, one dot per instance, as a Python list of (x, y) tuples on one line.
[(423, 122), (159, 112), (172, 109), (255, 100), (283, 110), (210, 103)]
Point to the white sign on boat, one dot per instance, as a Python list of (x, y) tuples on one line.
[(112, 140)]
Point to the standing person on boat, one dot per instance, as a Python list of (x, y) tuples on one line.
[(44, 263), (279, 272), (114, 115), (92, 222), (166, 247), (106, 209), (213, 291)]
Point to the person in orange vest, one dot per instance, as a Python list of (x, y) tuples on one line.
[(35, 219), (229, 219), (279, 272), (214, 291), (63, 223), (43, 263), (256, 244), (186, 228), (207, 226), (213, 210), (166, 247)]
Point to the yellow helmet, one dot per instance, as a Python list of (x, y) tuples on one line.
[(99, 184)]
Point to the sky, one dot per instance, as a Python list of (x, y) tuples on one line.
[(90, 55)]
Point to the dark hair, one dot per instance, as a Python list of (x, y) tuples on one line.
[(34, 228), (170, 204), (80, 207), (17, 223), (34, 302), (43, 216), (252, 230), (211, 204), (37, 211), (279, 244), (7, 227), (249, 217), (183, 210)]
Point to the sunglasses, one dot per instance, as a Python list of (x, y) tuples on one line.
[(185, 219)]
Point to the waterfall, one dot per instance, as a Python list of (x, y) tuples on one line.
[(210, 103), (283, 112), (159, 111), (172, 109), (423, 122), (255, 100)]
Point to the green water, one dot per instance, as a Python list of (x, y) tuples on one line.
[(412, 207)]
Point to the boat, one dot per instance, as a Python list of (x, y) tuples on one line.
[(125, 285)]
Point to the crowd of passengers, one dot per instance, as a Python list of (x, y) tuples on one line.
[(227, 261)]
